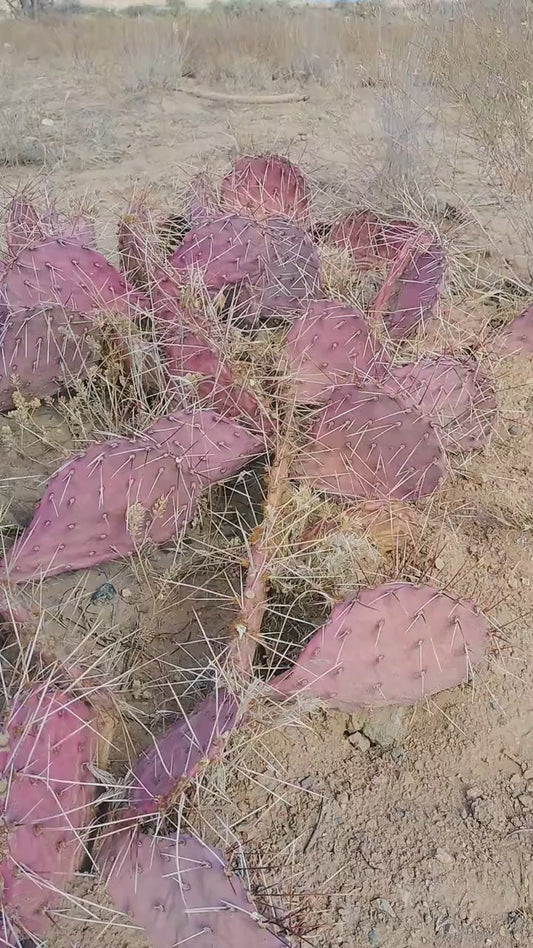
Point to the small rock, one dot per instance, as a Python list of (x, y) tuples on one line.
[(126, 593), (526, 800), (105, 593), (4, 739), (439, 563), (48, 123), (443, 857), (512, 582), (384, 906), (473, 793), (386, 726), (359, 741), (373, 938), (514, 430)]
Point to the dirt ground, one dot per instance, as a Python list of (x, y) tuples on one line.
[(389, 830)]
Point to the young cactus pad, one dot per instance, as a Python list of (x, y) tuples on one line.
[(266, 187), (395, 644)]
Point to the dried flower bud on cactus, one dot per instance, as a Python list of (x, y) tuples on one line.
[(266, 187), (367, 444), (179, 890), (394, 644), (49, 742)]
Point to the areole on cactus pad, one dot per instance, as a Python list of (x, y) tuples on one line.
[(394, 644), (180, 891), (47, 792)]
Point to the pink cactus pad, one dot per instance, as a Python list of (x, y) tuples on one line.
[(25, 227), (368, 444), (180, 891), (215, 447), (266, 187), (456, 393), (226, 252), (61, 272), (416, 292), (291, 271), (517, 338), (176, 758), (118, 495), (395, 644), (43, 350), (330, 345), (46, 797), (217, 385), (105, 504), (361, 235)]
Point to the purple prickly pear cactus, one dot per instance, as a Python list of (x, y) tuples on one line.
[(226, 251), (61, 272), (517, 338), (266, 187), (42, 350), (415, 292), (178, 755), (121, 494), (394, 644), (180, 891), (331, 344), (456, 393), (218, 386), (49, 743), (360, 234), (368, 444), (215, 447), (291, 272)]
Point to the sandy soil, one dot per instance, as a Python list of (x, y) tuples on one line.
[(419, 829)]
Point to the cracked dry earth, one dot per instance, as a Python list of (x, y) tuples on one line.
[(394, 830)]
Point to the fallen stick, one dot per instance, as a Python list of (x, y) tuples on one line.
[(248, 99)]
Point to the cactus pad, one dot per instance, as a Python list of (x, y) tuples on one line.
[(49, 744), (416, 292), (456, 393), (368, 444), (394, 644), (330, 345), (291, 271), (226, 252), (42, 350), (180, 891), (26, 227), (178, 755), (62, 272), (266, 187), (121, 494)]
